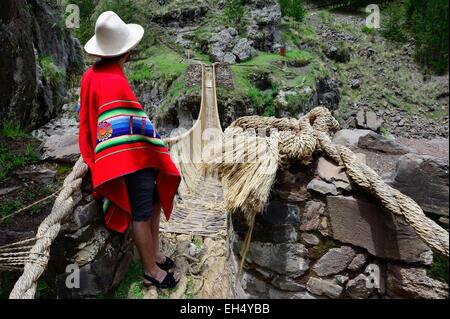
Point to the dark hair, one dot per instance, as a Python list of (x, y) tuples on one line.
[(113, 59)]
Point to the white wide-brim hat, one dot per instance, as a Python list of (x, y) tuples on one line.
[(113, 37)]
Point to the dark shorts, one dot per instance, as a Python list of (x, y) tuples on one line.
[(142, 193)]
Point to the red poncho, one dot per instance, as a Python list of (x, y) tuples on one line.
[(116, 138)]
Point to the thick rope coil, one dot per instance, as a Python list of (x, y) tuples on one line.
[(297, 140)]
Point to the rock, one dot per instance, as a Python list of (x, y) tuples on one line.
[(263, 25), (88, 250), (373, 228), (61, 148), (327, 94), (338, 54), (424, 179), (355, 84), (444, 221), (222, 44), (284, 234), (373, 122), (37, 174), (341, 279), (358, 262), (253, 285), (283, 259), (287, 284), (412, 282), (349, 138), (229, 58), (280, 294), (324, 287), (84, 215), (361, 119), (29, 31), (357, 288), (8, 190), (334, 261), (330, 172), (379, 143), (322, 187), (310, 239), (278, 213), (312, 216), (243, 50)]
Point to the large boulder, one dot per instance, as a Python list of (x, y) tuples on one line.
[(61, 148), (371, 227), (424, 179), (349, 138), (221, 45), (243, 50), (30, 97), (264, 19), (379, 143)]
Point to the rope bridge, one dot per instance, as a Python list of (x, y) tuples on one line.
[(200, 208)]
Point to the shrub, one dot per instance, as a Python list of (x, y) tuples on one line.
[(53, 74), (367, 29), (234, 13), (293, 8)]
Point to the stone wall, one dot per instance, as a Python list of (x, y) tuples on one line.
[(321, 237), (102, 256)]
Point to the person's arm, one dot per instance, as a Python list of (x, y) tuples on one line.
[(85, 134)]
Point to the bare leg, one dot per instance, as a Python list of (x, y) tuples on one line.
[(154, 226), (155, 247), (143, 238)]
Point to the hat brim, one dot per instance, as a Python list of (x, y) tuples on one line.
[(135, 36)]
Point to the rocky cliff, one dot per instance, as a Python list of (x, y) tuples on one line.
[(39, 56)]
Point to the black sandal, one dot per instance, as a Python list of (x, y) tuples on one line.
[(168, 282), (167, 265)]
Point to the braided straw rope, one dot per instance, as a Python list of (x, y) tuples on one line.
[(247, 189), (38, 256)]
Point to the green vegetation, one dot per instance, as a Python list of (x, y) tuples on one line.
[(325, 16), (428, 22), (131, 286), (293, 8), (393, 27), (51, 72), (162, 64), (367, 29), (7, 207), (439, 269), (190, 288), (13, 156), (139, 72), (12, 130), (280, 72), (234, 13)]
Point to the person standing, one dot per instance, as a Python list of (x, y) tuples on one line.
[(132, 171)]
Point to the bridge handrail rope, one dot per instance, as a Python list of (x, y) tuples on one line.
[(247, 186), (34, 258)]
